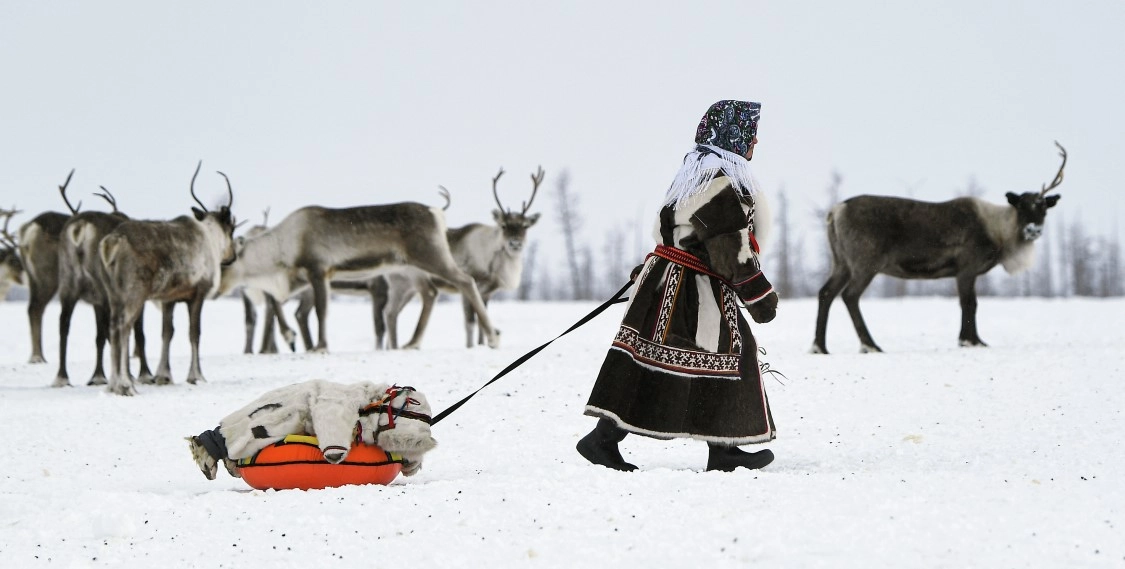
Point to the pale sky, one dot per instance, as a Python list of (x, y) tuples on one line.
[(354, 103)]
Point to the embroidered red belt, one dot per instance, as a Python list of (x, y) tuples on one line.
[(681, 257)]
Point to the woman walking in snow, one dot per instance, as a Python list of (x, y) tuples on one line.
[(684, 362)]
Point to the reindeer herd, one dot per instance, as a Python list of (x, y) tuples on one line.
[(394, 252), (117, 264)]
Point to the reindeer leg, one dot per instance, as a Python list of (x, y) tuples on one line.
[(101, 320), (469, 319), (480, 331), (967, 291), (269, 342), (40, 296), (144, 375), (399, 299), (195, 312), (121, 321), (250, 317), (836, 282), (852, 291), (428, 293), (287, 333), (304, 307), (377, 288), (66, 310), (167, 330), (320, 300)]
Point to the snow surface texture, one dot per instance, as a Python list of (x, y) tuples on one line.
[(928, 455)]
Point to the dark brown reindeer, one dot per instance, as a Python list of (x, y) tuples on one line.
[(11, 268), (315, 245), (39, 252), (82, 276), (491, 254), (166, 261), (908, 239)]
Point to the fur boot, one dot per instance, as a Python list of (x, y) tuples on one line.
[(728, 458), (600, 446)]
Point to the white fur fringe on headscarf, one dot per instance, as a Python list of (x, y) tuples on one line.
[(701, 166)]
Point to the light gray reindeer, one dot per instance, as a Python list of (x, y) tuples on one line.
[(252, 298), (491, 254), (39, 252), (960, 238), (82, 276), (315, 245), (167, 261), (11, 268)]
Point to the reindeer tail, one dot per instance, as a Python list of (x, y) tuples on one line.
[(108, 248)]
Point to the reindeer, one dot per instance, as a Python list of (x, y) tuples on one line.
[(252, 298), (167, 261), (314, 245), (491, 254), (960, 238), (11, 268), (83, 277), (39, 253)]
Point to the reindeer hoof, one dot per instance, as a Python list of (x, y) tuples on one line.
[(36, 360), (123, 390), (160, 380), (973, 344), (61, 382), (817, 349), (97, 380), (865, 349)]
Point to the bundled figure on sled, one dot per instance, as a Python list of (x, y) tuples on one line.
[(396, 419)]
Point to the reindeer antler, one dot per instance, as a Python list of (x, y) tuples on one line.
[(62, 190), (195, 197), (230, 192), (1058, 177), (266, 217), (536, 179), (445, 194), (494, 194), (6, 237), (108, 197)]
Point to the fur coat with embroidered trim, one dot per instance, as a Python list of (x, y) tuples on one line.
[(332, 412), (684, 361)]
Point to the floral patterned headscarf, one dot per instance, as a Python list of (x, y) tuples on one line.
[(730, 125)]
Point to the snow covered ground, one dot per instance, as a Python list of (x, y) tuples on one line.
[(927, 455)]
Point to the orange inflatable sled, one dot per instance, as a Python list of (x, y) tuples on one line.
[(297, 463)]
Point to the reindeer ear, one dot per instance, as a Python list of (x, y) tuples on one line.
[(498, 216), (1052, 200), (199, 214), (531, 219), (1013, 199)]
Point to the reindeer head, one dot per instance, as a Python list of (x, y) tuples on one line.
[(1031, 207), (221, 221), (11, 268), (514, 225)]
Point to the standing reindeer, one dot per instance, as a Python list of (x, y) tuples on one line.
[(314, 245), (909, 239), (491, 254), (39, 252), (83, 277), (252, 298), (11, 268), (167, 261)]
